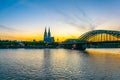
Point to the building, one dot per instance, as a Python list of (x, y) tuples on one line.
[(47, 36)]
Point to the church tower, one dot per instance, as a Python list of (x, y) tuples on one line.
[(49, 33), (45, 34)]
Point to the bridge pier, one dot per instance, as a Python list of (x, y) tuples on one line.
[(77, 46)]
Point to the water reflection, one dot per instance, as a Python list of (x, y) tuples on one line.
[(58, 64), (106, 62), (104, 51), (47, 66), (61, 64)]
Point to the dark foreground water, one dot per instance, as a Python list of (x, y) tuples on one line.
[(59, 64)]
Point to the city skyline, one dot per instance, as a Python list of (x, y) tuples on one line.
[(26, 19)]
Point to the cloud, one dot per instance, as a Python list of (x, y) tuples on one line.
[(4, 27), (78, 19), (81, 20), (109, 26), (7, 28)]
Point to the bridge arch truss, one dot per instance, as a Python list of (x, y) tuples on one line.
[(100, 35)]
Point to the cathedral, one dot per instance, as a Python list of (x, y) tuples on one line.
[(47, 36)]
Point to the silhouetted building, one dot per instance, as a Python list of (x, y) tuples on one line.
[(47, 36)]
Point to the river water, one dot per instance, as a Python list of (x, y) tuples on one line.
[(59, 64)]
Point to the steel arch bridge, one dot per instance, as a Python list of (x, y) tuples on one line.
[(100, 35), (95, 39)]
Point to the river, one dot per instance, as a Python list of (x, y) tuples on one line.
[(59, 64)]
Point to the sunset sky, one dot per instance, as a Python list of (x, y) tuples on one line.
[(27, 19)]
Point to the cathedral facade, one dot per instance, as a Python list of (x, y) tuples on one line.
[(47, 36)]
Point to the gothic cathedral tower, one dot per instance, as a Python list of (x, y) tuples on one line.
[(47, 36), (49, 33)]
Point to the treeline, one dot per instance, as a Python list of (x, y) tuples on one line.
[(27, 44)]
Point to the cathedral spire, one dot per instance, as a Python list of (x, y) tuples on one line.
[(47, 36), (49, 33), (45, 33)]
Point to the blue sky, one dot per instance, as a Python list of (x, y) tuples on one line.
[(26, 19)]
